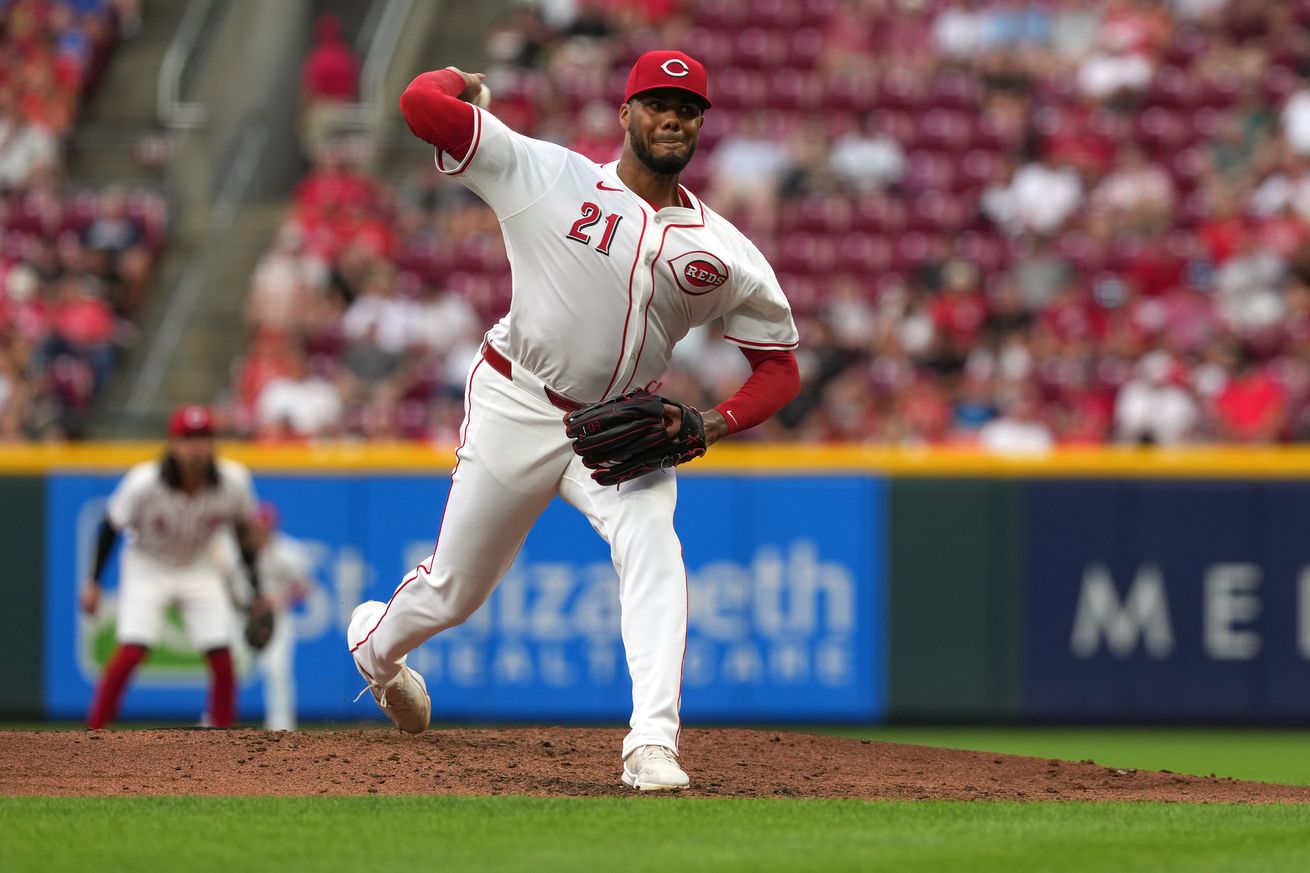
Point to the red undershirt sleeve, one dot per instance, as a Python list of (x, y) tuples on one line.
[(436, 115), (774, 382)]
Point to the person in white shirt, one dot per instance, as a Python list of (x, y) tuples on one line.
[(286, 576), (171, 510)]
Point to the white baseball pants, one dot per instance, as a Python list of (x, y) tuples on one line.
[(513, 459), (276, 663), (148, 586)]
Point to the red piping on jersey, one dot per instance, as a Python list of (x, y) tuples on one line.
[(781, 347), (473, 149), (645, 316), (682, 665), (463, 438), (435, 114), (623, 343)]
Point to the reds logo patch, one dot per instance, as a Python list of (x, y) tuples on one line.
[(698, 272)]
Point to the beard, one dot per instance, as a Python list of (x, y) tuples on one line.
[(666, 165)]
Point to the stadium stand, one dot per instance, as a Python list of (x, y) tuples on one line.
[(1015, 224), (74, 264)]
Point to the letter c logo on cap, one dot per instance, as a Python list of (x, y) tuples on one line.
[(668, 65)]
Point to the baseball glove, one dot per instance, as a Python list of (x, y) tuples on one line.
[(623, 438), (259, 629)]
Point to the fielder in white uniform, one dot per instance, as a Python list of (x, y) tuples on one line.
[(612, 265), (171, 510), (286, 577)]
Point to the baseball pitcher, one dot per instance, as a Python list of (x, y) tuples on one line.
[(612, 265)]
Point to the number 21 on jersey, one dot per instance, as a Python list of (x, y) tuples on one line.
[(591, 215)]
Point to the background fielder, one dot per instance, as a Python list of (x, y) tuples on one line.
[(286, 578), (612, 265), (171, 510)]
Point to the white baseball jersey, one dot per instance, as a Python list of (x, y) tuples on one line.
[(171, 526), (285, 567), (604, 285)]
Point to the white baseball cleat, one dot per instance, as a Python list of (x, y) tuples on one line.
[(653, 768), (405, 698)]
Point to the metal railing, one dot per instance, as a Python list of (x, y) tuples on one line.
[(174, 112), (387, 31)]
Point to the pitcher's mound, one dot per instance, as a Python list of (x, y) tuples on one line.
[(566, 762)]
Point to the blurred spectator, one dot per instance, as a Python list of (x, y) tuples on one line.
[(1136, 194), (285, 281), (958, 30), (329, 84), (298, 405), (116, 242), (1019, 431), (1038, 198), (1296, 121), (23, 145), (747, 167), (866, 160), (82, 327), (1252, 407), (1153, 409)]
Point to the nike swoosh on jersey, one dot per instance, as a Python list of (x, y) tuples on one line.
[(603, 187)]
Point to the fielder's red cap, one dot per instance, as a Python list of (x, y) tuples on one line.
[(668, 70), (268, 514), (191, 419)]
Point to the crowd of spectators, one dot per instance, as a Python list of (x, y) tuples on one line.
[(74, 264), (1013, 223)]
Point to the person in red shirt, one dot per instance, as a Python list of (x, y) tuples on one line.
[(329, 83), (1252, 407)]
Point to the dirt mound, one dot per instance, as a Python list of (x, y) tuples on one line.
[(566, 762)]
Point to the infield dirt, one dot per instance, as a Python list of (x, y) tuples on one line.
[(565, 761)]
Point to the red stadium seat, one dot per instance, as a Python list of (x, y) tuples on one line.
[(956, 90), (758, 49), (1277, 83), (944, 129), (881, 214), (902, 90), (711, 47), (985, 251), (795, 89), (864, 254), (1172, 88), (1163, 131), (928, 170), (804, 46)]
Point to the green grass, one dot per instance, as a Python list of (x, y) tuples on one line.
[(1281, 756), (642, 833)]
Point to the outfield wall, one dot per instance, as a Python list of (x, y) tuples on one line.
[(839, 585)]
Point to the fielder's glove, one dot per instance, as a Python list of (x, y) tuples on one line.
[(259, 629), (623, 438)]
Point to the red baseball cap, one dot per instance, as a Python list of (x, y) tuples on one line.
[(268, 514), (191, 419), (668, 70)]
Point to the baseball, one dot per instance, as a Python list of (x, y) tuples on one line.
[(483, 100)]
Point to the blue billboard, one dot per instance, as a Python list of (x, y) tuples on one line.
[(785, 578), (1159, 600)]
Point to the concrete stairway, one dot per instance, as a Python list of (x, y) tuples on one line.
[(123, 107)]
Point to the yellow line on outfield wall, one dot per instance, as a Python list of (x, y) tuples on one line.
[(744, 458)]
